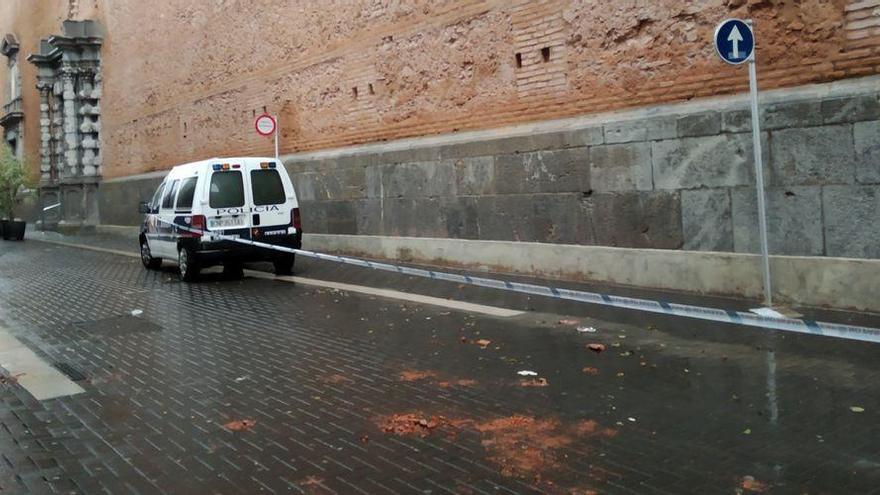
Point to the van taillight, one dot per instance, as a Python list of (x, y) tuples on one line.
[(198, 223), (295, 219)]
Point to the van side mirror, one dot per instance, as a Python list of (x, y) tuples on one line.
[(144, 207)]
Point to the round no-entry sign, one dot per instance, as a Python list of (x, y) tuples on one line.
[(265, 125)]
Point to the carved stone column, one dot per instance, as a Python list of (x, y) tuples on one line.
[(90, 112), (71, 127), (45, 131)]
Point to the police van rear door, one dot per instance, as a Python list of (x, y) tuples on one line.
[(228, 209), (270, 193)]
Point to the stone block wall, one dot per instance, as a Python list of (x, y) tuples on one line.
[(680, 180)]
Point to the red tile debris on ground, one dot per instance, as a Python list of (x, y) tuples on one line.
[(466, 382), (523, 446), (418, 424), (750, 485), (590, 370), (417, 375), (240, 424), (569, 322), (483, 343), (312, 485), (588, 427), (435, 378), (597, 348), (534, 382)]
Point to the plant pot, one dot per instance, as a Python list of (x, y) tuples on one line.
[(14, 230)]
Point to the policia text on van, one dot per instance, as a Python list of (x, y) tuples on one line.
[(247, 197)]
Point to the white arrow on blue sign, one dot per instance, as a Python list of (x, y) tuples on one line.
[(734, 41)]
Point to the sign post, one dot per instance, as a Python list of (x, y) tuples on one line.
[(266, 125), (735, 44)]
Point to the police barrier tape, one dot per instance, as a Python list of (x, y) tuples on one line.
[(853, 332)]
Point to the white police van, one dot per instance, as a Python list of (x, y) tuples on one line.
[(247, 198)]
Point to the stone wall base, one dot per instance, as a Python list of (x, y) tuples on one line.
[(840, 283)]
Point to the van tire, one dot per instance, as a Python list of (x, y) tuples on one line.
[(284, 264), (188, 265), (233, 270), (150, 263)]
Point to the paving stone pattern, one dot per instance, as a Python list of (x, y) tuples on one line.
[(315, 370)]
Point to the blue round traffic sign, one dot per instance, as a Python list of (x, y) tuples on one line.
[(734, 41)]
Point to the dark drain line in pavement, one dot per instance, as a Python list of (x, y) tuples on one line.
[(853, 332)]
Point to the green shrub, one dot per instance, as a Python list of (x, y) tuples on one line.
[(12, 177)]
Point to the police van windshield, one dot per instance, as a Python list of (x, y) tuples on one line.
[(227, 190), (267, 186)]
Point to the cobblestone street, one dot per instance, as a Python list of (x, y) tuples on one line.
[(263, 386)]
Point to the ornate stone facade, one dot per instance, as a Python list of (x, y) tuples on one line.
[(11, 115), (69, 81)]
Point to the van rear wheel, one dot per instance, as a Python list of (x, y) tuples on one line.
[(150, 263), (188, 265), (284, 264)]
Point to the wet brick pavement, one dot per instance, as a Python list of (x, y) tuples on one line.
[(671, 405)]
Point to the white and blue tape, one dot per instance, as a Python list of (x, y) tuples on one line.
[(852, 332)]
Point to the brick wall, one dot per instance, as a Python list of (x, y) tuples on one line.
[(862, 23), (189, 86)]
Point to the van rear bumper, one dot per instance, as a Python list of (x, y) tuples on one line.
[(220, 251)]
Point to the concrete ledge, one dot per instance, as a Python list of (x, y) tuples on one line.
[(120, 230), (840, 283)]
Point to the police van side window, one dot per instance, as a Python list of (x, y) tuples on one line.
[(154, 203), (168, 200), (267, 187), (227, 190), (186, 193)]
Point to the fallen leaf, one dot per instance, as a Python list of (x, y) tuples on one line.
[(597, 348), (747, 431), (590, 370), (483, 343), (857, 409), (568, 322)]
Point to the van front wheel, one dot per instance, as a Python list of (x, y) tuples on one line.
[(284, 264), (188, 265), (150, 263)]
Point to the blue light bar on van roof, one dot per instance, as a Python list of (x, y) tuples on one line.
[(217, 166)]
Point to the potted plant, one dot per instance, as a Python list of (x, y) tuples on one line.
[(12, 178)]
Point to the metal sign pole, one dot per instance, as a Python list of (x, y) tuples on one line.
[(276, 136), (759, 178)]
